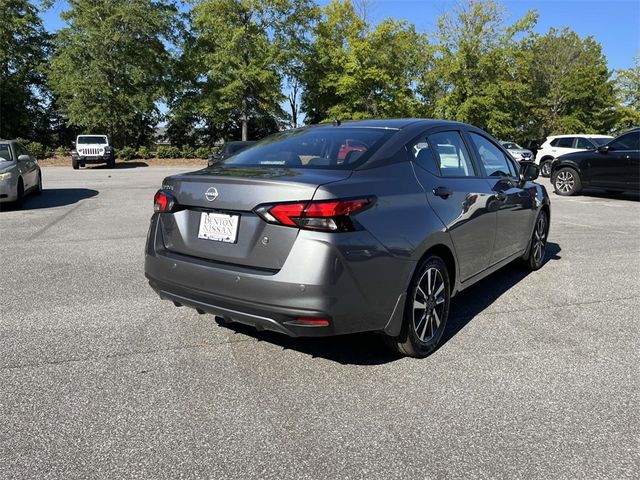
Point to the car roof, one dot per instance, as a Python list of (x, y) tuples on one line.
[(393, 123), (586, 135)]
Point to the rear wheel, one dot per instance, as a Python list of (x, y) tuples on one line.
[(545, 168), (75, 164), (538, 248), (567, 182), (426, 310)]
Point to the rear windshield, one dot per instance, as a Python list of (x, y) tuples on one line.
[(91, 139), (324, 147)]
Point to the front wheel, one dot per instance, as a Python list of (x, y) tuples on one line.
[(538, 246), (39, 184), (426, 310), (75, 164), (567, 182)]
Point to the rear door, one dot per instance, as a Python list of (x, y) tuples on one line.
[(459, 197), (562, 145), (515, 206)]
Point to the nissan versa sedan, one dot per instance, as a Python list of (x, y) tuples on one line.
[(292, 236)]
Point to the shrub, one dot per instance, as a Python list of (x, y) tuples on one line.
[(143, 153), (126, 153), (202, 152), (188, 151), (36, 149), (62, 151), (165, 151)]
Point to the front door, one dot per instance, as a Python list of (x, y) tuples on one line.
[(515, 206)]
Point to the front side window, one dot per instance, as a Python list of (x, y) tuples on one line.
[(495, 162), (5, 152), (628, 141), (451, 156), (566, 142), (318, 147), (21, 150)]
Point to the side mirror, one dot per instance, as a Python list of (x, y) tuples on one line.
[(528, 172), (73, 144), (24, 158), (603, 148)]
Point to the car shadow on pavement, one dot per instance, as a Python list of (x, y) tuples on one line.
[(54, 197), (370, 348), (118, 166), (628, 196)]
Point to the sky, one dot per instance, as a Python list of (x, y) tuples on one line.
[(613, 23)]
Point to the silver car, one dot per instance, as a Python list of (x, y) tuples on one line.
[(306, 235), (19, 172), (519, 153)]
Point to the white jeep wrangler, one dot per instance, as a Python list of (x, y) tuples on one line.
[(92, 149)]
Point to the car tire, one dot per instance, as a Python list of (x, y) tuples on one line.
[(19, 194), (545, 168), (426, 310), (535, 256), (566, 182), (111, 163), (38, 189), (75, 164)]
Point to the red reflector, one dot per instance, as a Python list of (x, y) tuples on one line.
[(317, 322)]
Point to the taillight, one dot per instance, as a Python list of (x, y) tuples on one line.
[(163, 202), (324, 215)]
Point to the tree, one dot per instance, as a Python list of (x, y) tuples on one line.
[(572, 87), (354, 71), (110, 68), (627, 87), (24, 47), (238, 53), (478, 74)]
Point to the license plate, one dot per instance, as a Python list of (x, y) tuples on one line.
[(218, 227)]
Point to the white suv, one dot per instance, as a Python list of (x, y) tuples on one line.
[(557, 145)]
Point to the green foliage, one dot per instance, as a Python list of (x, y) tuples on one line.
[(36, 149), (188, 151), (62, 151), (627, 88), (24, 47), (202, 152), (165, 151), (110, 67), (143, 153), (126, 153)]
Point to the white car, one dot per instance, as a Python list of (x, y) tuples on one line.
[(557, 145), (19, 172)]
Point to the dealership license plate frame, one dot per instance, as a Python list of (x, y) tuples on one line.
[(207, 220)]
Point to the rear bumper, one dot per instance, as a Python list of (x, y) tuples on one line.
[(366, 294)]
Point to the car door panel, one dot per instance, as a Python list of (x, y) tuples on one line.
[(513, 204)]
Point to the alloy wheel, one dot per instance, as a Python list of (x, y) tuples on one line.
[(565, 181), (545, 170), (428, 304), (540, 239)]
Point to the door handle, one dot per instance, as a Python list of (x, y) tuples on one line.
[(442, 192)]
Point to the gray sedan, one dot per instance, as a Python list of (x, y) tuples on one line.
[(302, 235), (19, 172)]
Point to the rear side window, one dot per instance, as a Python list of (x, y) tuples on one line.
[(495, 162), (566, 142), (450, 154), (628, 141), (423, 156), (324, 147), (5, 152), (583, 143)]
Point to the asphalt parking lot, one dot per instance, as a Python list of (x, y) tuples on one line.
[(538, 377)]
